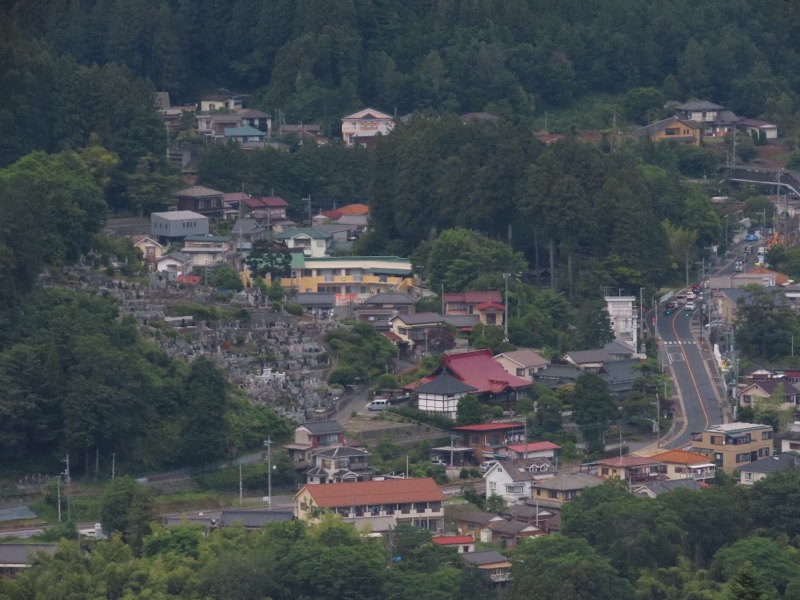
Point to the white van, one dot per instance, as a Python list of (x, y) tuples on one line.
[(378, 404)]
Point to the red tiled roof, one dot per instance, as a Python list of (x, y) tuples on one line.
[(389, 491), (488, 427), (488, 305), (392, 336), (453, 540), (332, 214), (354, 209), (681, 457), (273, 201), (480, 370), (474, 297), (534, 447)]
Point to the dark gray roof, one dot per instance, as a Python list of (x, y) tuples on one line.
[(519, 470), (652, 128), (560, 372), (485, 557), (773, 464), (341, 452), (253, 519), (206, 522), (509, 527), (622, 370), (22, 554), (197, 191), (321, 427), (445, 384), (476, 516), (332, 227), (572, 481), (606, 353), (734, 294), (663, 487), (422, 318), (390, 298), (246, 226)]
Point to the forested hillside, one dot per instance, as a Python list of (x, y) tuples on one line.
[(511, 56)]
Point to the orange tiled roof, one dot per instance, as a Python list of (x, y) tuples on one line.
[(354, 209), (388, 491), (681, 457)]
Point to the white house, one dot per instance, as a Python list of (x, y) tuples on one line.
[(513, 480), (363, 126), (624, 320), (441, 395)]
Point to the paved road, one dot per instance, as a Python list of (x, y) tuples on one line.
[(688, 359)]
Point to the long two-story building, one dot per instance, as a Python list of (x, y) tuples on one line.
[(732, 446)]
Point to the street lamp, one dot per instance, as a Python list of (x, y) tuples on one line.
[(505, 317), (726, 234), (268, 443)]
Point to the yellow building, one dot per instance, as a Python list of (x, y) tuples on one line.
[(674, 129), (734, 445), (349, 278)]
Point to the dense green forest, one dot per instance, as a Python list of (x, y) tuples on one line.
[(728, 542), (509, 56)]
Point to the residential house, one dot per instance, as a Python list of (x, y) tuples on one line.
[(339, 464), (253, 520), (727, 301), (593, 360), (522, 363), (624, 320), (245, 233), (758, 470), (350, 278), (475, 522), (246, 136), (790, 440), (174, 265), (633, 469), (547, 450), (173, 226), (15, 558), (653, 489), (564, 487), (317, 303), (441, 395), (212, 126), (151, 250), (682, 464), (752, 393), (361, 127), (673, 129), (556, 375), (379, 309), (758, 128), (733, 445), (269, 211), (488, 305), (506, 533), (256, 119), (488, 439), (497, 566), (222, 100), (313, 242), (462, 543), (699, 111), (513, 480), (207, 250), (200, 199), (620, 375), (413, 329), (479, 370), (311, 436), (416, 502)]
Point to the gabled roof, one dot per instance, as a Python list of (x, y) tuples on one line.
[(246, 227), (310, 232), (342, 452), (390, 298), (388, 491), (534, 447), (780, 278), (444, 384), (769, 386), (322, 427), (197, 191), (599, 355), (477, 517), (179, 256), (622, 370), (490, 306), (663, 487), (653, 128), (354, 209), (474, 297), (273, 201), (367, 113), (627, 461), (569, 482), (234, 196), (22, 554), (178, 215), (525, 358), (516, 470), (480, 370), (207, 237), (681, 457), (773, 464), (484, 557), (757, 123), (453, 540)]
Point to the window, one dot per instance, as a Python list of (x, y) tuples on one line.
[(743, 457), (552, 493), (492, 486), (679, 470), (766, 435), (305, 273), (748, 475), (520, 372), (715, 439), (762, 452), (513, 488), (718, 458)]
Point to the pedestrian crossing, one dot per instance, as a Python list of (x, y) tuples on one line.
[(678, 342)]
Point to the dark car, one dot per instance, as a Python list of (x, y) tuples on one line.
[(670, 307)]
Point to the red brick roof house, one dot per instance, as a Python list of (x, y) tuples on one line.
[(464, 303), (490, 439)]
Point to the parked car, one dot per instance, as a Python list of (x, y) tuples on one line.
[(485, 466), (715, 323), (438, 462), (689, 306), (751, 237), (378, 404)]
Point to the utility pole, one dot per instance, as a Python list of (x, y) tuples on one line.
[(67, 480), (268, 444), (658, 421), (240, 485), (113, 465), (58, 493), (505, 317), (452, 449)]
